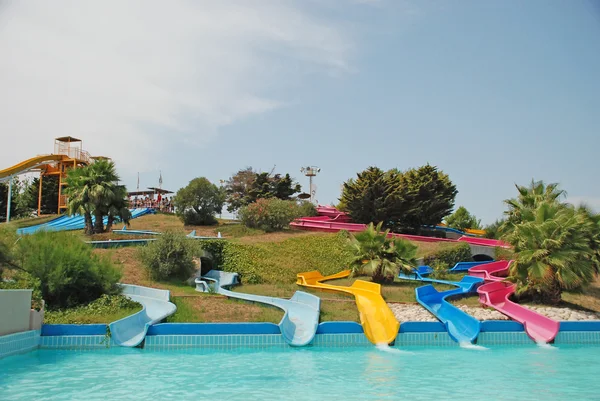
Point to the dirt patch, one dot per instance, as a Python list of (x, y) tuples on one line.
[(126, 258)]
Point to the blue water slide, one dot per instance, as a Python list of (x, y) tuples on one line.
[(194, 236), (461, 326), (301, 319), (124, 230), (131, 330), (75, 222), (465, 266)]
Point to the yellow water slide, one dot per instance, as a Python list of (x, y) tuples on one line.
[(377, 319), (29, 164)]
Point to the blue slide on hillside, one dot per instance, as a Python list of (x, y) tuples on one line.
[(75, 222), (301, 319), (465, 266), (131, 330), (462, 327)]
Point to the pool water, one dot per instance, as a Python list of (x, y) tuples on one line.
[(361, 373)]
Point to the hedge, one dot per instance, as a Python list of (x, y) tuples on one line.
[(449, 256)]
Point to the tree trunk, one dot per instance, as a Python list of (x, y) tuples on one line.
[(552, 293), (109, 223), (98, 224), (87, 217), (378, 275)]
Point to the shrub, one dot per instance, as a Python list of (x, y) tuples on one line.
[(306, 209), (272, 214), (105, 309), (461, 220), (440, 270), (170, 256), (449, 256), (67, 272), (8, 238)]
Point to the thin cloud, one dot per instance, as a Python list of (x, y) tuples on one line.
[(130, 77)]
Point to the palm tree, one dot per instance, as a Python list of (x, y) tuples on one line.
[(528, 199), (118, 208), (78, 193), (552, 245), (382, 257), (93, 190)]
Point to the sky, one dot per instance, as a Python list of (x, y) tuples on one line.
[(493, 93)]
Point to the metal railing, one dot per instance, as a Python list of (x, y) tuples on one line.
[(74, 153)]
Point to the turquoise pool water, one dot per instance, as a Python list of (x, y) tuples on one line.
[(365, 373)]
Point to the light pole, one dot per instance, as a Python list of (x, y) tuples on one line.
[(10, 180), (310, 172), (222, 182)]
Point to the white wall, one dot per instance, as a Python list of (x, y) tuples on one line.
[(15, 310)]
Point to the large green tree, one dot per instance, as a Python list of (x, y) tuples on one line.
[(461, 219), (94, 191), (199, 202), (364, 198), (247, 186), (49, 204), (18, 204), (402, 201), (428, 196)]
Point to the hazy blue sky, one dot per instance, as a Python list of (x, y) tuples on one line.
[(492, 92)]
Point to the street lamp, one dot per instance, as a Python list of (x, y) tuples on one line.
[(310, 172)]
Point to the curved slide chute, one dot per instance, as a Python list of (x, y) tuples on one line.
[(301, 319), (496, 293), (462, 327), (376, 317), (30, 164), (131, 331), (75, 222)]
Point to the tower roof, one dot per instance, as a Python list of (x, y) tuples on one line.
[(67, 139)]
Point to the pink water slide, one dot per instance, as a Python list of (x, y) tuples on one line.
[(496, 293), (331, 220)]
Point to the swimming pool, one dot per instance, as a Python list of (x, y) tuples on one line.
[(359, 373)]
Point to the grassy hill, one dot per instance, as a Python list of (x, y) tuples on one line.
[(272, 262)]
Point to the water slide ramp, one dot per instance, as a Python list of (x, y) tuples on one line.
[(75, 222), (29, 164), (131, 330), (538, 327), (496, 293), (301, 319), (461, 326), (378, 320)]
